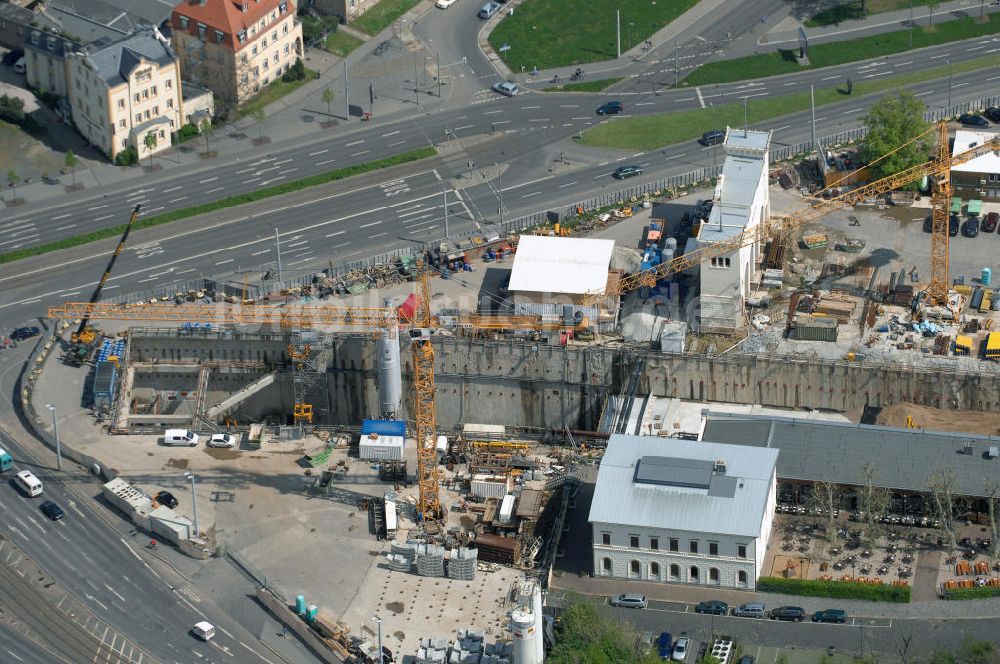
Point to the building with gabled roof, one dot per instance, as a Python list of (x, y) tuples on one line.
[(979, 178)]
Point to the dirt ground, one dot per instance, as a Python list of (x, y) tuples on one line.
[(934, 419)]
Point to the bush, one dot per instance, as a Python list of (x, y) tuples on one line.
[(187, 132), (12, 109), (314, 28), (839, 589), (981, 592), (296, 72), (127, 157)]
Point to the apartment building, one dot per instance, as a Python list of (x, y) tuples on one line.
[(236, 47), (124, 90)]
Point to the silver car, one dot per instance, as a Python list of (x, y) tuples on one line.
[(222, 440), (505, 88), (680, 650)]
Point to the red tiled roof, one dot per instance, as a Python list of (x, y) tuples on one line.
[(225, 15)]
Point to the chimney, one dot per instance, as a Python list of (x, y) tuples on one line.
[(720, 467)]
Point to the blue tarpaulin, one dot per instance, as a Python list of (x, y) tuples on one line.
[(384, 427)]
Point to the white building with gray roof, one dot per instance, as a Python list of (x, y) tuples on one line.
[(681, 511), (741, 203)]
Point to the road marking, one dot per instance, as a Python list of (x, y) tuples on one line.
[(395, 144), (355, 143), (598, 177), (114, 592), (374, 223), (283, 161), (297, 244), (256, 178), (974, 49), (62, 228), (245, 170), (901, 64), (372, 237), (328, 161), (569, 106), (62, 216), (701, 100), (525, 108), (878, 73), (792, 83), (97, 601), (638, 154), (104, 217), (462, 127), (830, 78), (358, 154), (228, 260), (568, 184), (853, 110), (993, 78), (21, 660), (207, 180), (212, 191), (174, 200), (493, 112), (943, 55), (759, 94), (186, 271), (313, 154), (410, 214), (780, 128), (416, 219), (338, 246), (646, 103), (284, 172), (534, 193), (64, 296), (256, 253), (254, 652), (391, 133), (335, 234), (958, 85), (304, 260)]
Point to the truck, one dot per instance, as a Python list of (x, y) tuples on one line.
[(6, 461), (654, 233)]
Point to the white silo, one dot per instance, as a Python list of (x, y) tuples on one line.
[(525, 631), (536, 607), (390, 378)]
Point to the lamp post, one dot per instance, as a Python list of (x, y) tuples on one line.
[(378, 622), (277, 249), (55, 429), (948, 62), (631, 24), (194, 502)]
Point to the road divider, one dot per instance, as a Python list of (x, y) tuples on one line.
[(229, 201)]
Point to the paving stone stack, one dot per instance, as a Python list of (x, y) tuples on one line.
[(432, 651), (401, 556), (430, 560), (496, 653), (462, 564)]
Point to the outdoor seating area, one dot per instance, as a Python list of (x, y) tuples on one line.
[(970, 566)]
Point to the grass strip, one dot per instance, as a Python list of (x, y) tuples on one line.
[(980, 592), (858, 9), (556, 33), (381, 16), (838, 589), (654, 131), (783, 61), (229, 201), (277, 89), (342, 43), (586, 86)]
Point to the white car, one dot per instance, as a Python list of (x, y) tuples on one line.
[(221, 440), (444, 4), (680, 650), (505, 88)]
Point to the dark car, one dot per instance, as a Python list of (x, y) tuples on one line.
[(971, 227), (990, 222), (794, 613), (713, 137), (830, 616), (665, 645), (22, 333), (746, 659), (972, 120), (166, 498), (610, 108), (623, 172), (13, 56), (704, 208), (954, 223), (51, 510), (992, 114), (713, 606)]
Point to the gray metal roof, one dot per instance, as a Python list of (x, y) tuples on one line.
[(732, 504), (814, 450), (125, 15), (740, 177), (114, 62), (751, 139), (50, 43)]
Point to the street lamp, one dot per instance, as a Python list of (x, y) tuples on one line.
[(194, 502), (948, 62), (631, 24), (55, 428), (378, 621)]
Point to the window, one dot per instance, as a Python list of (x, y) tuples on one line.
[(275, 58), (654, 543), (693, 574), (606, 566), (713, 548), (138, 118), (741, 578), (675, 572), (168, 84), (283, 7), (202, 28), (606, 539), (253, 50), (161, 134), (121, 103), (285, 29), (633, 541), (674, 544), (654, 571), (727, 262), (136, 97), (263, 44), (145, 94), (264, 67), (219, 36), (693, 546), (146, 114), (274, 35), (286, 49), (241, 36), (156, 110), (184, 22), (713, 575), (741, 550), (121, 123), (170, 103), (633, 568), (154, 91), (124, 142), (243, 58)]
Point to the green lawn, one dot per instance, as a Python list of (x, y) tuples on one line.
[(556, 33), (381, 16), (341, 43), (272, 93), (587, 86), (853, 10), (836, 53), (655, 131)]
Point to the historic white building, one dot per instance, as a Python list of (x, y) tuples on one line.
[(681, 511), (741, 203)]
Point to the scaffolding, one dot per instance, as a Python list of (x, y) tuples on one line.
[(309, 353)]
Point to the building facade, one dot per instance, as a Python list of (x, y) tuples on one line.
[(236, 47), (123, 91), (978, 178), (45, 61), (678, 511), (741, 203), (346, 10)]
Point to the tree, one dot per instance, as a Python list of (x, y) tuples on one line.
[(874, 502), (826, 497), (992, 493), (12, 179), (71, 162), (942, 486), (589, 637), (903, 647), (328, 98), (892, 121), (259, 116), (207, 129), (974, 651), (150, 142)]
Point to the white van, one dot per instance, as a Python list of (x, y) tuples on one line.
[(28, 483), (204, 630), (19, 66), (180, 437)]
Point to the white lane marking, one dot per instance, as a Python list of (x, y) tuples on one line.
[(283, 161), (285, 172), (538, 120), (104, 217), (534, 193), (958, 85), (568, 184), (313, 154), (391, 133), (791, 83), (780, 128), (853, 110), (525, 184), (258, 253), (256, 653), (64, 296), (62, 216), (493, 112), (328, 161), (525, 108), (189, 270), (335, 234), (830, 78), (253, 179), (62, 228), (372, 237), (701, 100), (413, 212), (358, 154), (228, 260), (304, 260), (409, 222), (167, 191), (212, 191), (569, 106), (114, 592), (374, 223), (676, 156), (296, 244), (245, 170), (355, 143), (391, 145), (646, 103), (174, 200), (97, 601), (462, 127), (943, 55), (207, 180), (878, 73), (921, 94), (993, 78)]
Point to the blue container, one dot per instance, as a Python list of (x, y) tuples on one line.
[(311, 613), (300, 604), (987, 276)]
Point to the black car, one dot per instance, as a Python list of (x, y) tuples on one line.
[(992, 114), (22, 333), (990, 222), (51, 510), (712, 606), (972, 120), (623, 172), (713, 137), (954, 223), (166, 498), (703, 209), (971, 228), (794, 613), (830, 616), (13, 56), (610, 108)]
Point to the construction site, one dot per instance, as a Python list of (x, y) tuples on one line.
[(450, 418)]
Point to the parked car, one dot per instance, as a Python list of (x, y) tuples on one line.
[(665, 645), (629, 601), (488, 10), (972, 120), (746, 659), (992, 114), (12, 56), (444, 4), (830, 616), (971, 227), (680, 650), (704, 208), (166, 499), (610, 108), (19, 66), (794, 613), (713, 137), (505, 88), (221, 440), (712, 606), (954, 223), (22, 333), (990, 222), (51, 510), (751, 610), (623, 172)]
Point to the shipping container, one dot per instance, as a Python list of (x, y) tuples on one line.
[(490, 486), (507, 509), (992, 351), (815, 328), (104, 384), (374, 447), (496, 549)]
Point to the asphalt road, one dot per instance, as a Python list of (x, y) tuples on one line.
[(561, 115), (16, 648)]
